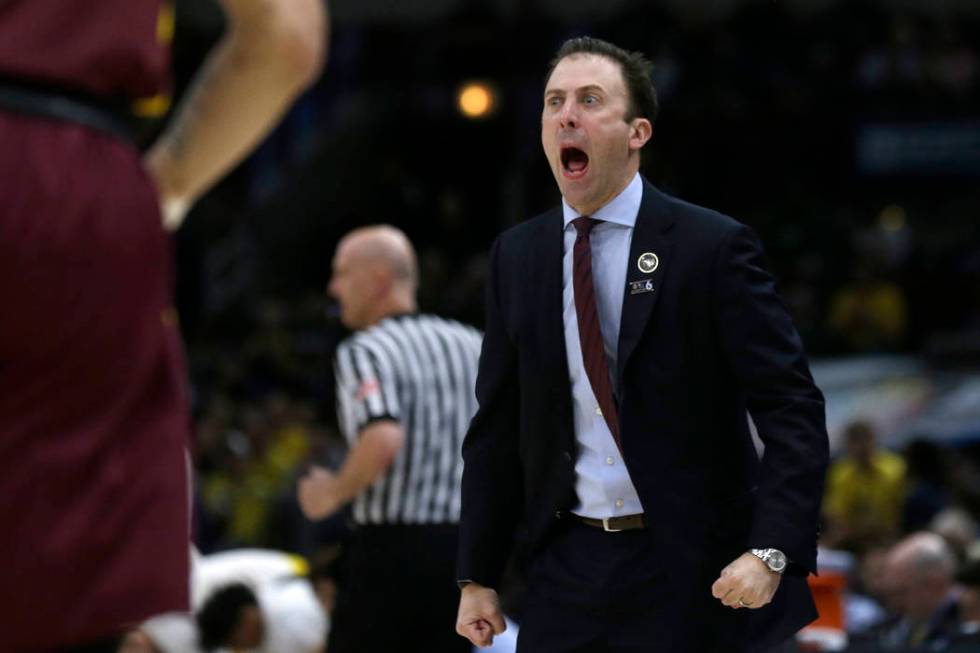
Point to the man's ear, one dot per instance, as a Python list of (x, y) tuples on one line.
[(641, 130), (382, 281)]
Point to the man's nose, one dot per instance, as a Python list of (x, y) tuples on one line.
[(568, 117)]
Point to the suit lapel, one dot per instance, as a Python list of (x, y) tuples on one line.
[(549, 299), (651, 235), (548, 304)]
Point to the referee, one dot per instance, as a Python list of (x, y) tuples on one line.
[(405, 396)]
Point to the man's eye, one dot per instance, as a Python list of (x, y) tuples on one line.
[(590, 99)]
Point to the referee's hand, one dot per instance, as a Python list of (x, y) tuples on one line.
[(479, 616), (317, 493)]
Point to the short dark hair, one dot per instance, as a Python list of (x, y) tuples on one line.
[(220, 614), (636, 69)]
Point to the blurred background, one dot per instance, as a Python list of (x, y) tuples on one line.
[(847, 133)]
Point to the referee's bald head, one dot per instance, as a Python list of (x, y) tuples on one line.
[(385, 246), (375, 275)]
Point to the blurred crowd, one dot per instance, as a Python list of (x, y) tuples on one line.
[(261, 413), (901, 538)]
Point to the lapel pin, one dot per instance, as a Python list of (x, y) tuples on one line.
[(641, 286), (648, 262)]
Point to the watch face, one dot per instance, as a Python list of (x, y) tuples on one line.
[(776, 560)]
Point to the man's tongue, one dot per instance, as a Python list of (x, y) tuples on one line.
[(576, 160)]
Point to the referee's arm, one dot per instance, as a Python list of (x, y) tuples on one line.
[(322, 493), (369, 406)]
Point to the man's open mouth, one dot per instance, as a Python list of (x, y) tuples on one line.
[(574, 162)]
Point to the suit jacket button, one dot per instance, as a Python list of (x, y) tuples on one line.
[(567, 456)]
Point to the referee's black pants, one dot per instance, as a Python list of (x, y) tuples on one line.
[(399, 592)]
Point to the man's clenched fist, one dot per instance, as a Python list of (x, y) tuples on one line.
[(479, 616), (746, 583)]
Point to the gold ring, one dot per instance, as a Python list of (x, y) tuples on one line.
[(744, 604)]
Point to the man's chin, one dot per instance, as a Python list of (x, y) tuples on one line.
[(575, 192)]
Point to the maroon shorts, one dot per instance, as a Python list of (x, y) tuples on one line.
[(94, 524)]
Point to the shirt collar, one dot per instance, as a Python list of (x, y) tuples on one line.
[(622, 209)]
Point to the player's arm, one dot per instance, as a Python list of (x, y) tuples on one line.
[(271, 51)]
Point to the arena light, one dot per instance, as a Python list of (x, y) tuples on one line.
[(476, 100), (892, 218)]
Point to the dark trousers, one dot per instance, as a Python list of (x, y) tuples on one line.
[(399, 592), (590, 591)]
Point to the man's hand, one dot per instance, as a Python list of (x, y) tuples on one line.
[(746, 583), (318, 493), (479, 616)]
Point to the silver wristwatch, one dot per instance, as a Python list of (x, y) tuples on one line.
[(774, 559)]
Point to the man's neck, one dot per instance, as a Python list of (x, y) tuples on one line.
[(592, 207), (392, 307)]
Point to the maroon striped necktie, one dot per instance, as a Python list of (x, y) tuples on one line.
[(589, 331)]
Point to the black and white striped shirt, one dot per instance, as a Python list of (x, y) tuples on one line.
[(419, 370)]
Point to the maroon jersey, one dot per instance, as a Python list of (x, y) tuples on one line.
[(94, 506), (109, 48)]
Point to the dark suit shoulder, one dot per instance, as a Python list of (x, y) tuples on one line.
[(703, 231), (697, 219), (526, 237)]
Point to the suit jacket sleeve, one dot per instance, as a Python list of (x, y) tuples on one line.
[(764, 350), (492, 486)]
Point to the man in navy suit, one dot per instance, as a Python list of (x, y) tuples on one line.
[(627, 335)]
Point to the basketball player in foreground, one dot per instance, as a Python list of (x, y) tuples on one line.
[(93, 418)]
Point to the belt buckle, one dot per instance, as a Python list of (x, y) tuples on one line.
[(605, 525)]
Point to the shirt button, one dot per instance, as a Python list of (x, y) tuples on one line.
[(598, 411), (610, 461), (619, 503)]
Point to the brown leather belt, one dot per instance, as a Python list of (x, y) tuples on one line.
[(612, 524)]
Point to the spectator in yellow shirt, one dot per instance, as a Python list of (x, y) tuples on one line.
[(865, 492)]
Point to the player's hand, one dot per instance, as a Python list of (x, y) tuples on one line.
[(317, 493), (746, 583), (479, 617)]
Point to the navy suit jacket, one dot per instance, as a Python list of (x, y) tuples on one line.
[(711, 341)]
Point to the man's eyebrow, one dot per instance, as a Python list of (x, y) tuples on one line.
[(590, 87), (580, 89)]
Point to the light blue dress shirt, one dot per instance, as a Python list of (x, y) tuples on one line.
[(602, 481)]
